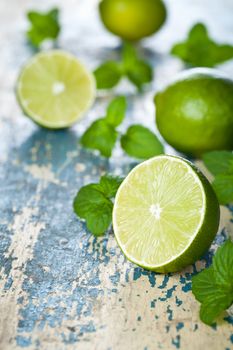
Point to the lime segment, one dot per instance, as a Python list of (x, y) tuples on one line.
[(55, 89), (165, 214)]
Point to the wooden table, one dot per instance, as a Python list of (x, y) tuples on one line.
[(60, 287)]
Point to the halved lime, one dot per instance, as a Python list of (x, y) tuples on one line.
[(55, 90), (165, 214)]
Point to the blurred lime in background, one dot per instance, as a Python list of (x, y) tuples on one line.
[(132, 19), (55, 90), (194, 114)]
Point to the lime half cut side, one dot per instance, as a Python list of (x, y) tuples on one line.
[(165, 215), (55, 90)]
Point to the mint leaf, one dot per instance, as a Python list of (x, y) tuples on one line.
[(223, 186), (137, 70), (212, 296), (212, 308), (100, 136), (223, 265), (109, 185), (219, 162), (107, 75), (203, 284), (43, 26), (140, 142), (140, 73), (213, 287), (116, 111), (199, 50), (231, 167), (93, 203)]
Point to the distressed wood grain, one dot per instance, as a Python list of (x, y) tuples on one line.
[(60, 288)]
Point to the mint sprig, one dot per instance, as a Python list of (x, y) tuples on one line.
[(199, 50), (93, 203), (138, 71), (213, 287), (43, 26), (102, 133), (220, 164), (131, 66)]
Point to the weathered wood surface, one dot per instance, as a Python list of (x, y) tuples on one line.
[(60, 288)]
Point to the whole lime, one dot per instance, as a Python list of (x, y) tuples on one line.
[(132, 19), (194, 114)]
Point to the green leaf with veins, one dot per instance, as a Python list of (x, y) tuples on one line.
[(219, 162), (213, 287), (100, 136), (93, 203), (203, 284), (199, 50), (212, 308), (108, 75), (223, 186), (93, 206), (109, 185), (223, 264), (140, 142), (116, 111), (43, 26)]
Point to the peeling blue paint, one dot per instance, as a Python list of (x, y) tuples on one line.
[(170, 313), (165, 282), (186, 281), (178, 301), (152, 278), (152, 304), (8, 283), (187, 287), (229, 319), (115, 278), (176, 342), (169, 293), (137, 273), (23, 342), (179, 326)]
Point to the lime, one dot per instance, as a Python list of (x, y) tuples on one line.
[(165, 214), (194, 114), (55, 90), (132, 19)]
